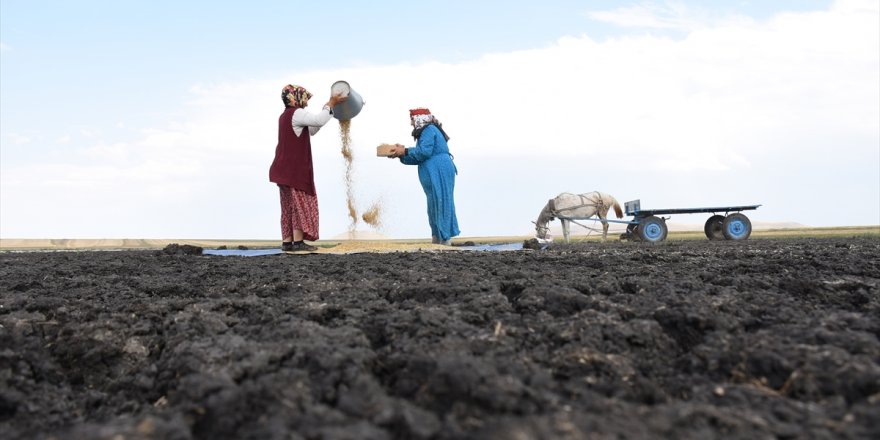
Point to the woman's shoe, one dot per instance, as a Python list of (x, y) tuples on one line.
[(302, 247)]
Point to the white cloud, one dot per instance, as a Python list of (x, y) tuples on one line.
[(724, 99), (667, 16), (18, 139)]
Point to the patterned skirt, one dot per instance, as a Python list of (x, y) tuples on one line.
[(299, 211)]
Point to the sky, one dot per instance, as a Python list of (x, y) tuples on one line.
[(135, 119)]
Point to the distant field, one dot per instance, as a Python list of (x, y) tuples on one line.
[(7, 244)]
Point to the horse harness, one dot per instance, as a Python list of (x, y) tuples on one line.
[(598, 204)]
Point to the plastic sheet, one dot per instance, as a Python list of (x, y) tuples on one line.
[(261, 252), (241, 252)]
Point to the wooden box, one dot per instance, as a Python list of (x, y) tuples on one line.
[(384, 150)]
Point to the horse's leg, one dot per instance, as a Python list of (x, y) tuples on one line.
[(565, 231), (603, 217)]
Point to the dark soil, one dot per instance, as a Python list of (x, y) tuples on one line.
[(760, 339)]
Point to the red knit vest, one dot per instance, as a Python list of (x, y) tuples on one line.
[(293, 156)]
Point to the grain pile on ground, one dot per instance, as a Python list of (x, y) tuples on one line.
[(684, 339)]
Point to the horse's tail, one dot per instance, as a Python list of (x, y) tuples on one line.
[(617, 210)]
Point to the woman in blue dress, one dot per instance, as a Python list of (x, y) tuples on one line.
[(436, 172)]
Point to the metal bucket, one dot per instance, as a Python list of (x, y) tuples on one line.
[(350, 107)]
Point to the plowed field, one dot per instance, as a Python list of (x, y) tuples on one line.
[(761, 339)]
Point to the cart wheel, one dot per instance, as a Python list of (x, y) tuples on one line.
[(652, 229), (736, 226), (713, 227)]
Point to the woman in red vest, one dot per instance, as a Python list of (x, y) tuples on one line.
[(292, 167)]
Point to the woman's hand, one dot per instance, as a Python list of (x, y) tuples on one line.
[(336, 99), (397, 151)]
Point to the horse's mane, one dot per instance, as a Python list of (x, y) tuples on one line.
[(546, 214)]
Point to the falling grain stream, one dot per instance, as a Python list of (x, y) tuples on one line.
[(373, 215)]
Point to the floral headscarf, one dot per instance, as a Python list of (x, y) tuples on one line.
[(422, 118), (295, 96)]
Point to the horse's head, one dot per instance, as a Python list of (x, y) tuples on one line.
[(544, 219), (542, 231)]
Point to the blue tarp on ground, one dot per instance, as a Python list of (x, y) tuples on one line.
[(493, 247), (240, 252), (260, 252)]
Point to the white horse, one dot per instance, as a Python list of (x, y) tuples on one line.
[(567, 207)]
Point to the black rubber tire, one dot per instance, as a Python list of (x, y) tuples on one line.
[(714, 227)]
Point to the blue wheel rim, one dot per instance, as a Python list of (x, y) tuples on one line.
[(736, 229), (653, 231)]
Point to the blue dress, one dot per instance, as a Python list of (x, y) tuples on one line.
[(437, 176)]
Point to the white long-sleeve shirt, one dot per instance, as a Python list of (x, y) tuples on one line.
[(303, 118)]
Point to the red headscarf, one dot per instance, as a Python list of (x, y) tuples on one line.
[(419, 111)]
